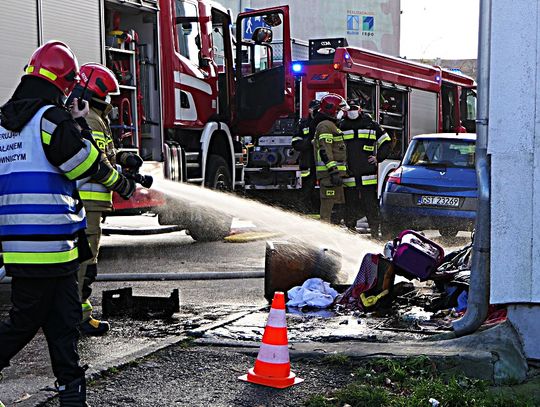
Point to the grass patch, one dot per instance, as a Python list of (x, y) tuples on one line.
[(412, 382), (337, 360)]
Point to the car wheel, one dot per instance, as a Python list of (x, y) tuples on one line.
[(448, 231)]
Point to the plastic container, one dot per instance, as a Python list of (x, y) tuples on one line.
[(416, 255)]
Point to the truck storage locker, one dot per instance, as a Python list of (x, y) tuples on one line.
[(19, 33), (78, 25)]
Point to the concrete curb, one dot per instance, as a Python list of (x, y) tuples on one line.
[(494, 355)]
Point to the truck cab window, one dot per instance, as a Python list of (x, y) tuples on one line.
[(187, 28), (468, 109), (262, 45), (448, 109)]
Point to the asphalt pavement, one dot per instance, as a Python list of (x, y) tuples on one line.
[(220, 310)]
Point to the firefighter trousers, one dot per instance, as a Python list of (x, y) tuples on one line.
[(353, 207), (330, 196), (88, 271), (370, 205), (50, 303)]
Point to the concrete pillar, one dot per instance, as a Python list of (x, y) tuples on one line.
[(515, 166)]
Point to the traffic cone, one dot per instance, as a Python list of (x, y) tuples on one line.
[(272, 367)]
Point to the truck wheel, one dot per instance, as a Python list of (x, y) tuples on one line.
[(448, 231), (218, 175)]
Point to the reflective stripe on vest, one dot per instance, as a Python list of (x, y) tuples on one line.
[(305, 173), (80, 162), (93, 191), (349, 182), (305, 130), (321, 166), (382, 139), (362, 134), (326, 137), (369, 179), (368, 148), (36, 199)]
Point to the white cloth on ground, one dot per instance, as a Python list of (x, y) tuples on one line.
[(314, 292)]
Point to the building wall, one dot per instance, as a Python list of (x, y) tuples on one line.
[(373, 24)]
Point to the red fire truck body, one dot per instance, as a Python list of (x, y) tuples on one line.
[(406, 97), (195, 104)]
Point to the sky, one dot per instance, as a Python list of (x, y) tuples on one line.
[(446, 29)]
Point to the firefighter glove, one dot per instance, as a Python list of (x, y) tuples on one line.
[(124, 186), (336, 179), (129, 160)]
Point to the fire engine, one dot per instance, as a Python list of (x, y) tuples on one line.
[(406, 97), (190, 87)]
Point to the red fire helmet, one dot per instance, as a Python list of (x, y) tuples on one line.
[(331, 104), (55, 62), (101, 81)]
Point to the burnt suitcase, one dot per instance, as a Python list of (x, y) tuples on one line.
[(415, 256)]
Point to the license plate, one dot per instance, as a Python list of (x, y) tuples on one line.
[(438, 201)]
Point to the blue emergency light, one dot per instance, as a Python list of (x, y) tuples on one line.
[(297, 68)]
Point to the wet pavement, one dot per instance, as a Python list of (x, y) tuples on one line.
[(220, 311)]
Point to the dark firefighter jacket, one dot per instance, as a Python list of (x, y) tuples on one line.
[(364, 137)]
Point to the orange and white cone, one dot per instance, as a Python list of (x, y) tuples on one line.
[(272, 367)]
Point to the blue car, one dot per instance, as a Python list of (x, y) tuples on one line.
[(434, 187)]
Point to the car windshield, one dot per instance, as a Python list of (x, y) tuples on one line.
[(440, 152)]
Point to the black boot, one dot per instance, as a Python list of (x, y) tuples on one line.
[(73, 394)]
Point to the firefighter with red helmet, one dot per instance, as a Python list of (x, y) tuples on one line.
[(45, 149), (97, 84), (367, 145), (330, 155)]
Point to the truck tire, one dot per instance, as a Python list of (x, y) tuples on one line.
[(218, 174)]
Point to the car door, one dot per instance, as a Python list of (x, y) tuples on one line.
[(264, 78)]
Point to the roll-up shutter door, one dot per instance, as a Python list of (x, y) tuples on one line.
[(19, 38), (423, 112), (77, 24)]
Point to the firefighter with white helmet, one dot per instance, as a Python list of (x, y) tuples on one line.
[(43, 220), (367, 145), (330, 155), (97, 84)]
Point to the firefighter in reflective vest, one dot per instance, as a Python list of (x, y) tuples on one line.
[(97, 84), (302, 142), (367, 145), (330, 155), (43, 151)]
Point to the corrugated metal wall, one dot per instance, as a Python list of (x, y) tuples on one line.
[(19, 34), (77, 24), (79, 27)]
